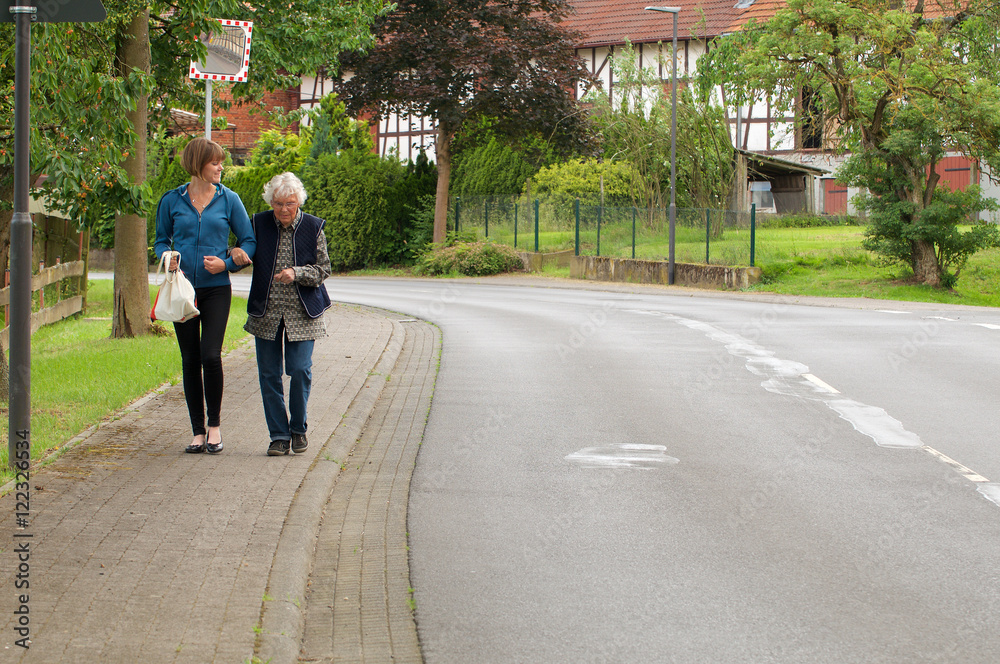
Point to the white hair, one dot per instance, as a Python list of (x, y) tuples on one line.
[(285, 184)]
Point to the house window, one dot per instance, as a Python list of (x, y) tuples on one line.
[(812, 121), (761, 196)]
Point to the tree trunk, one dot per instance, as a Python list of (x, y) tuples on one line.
[(131, 298), (443, 151), (924, 263)]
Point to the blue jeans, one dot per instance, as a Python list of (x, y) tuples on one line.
[(298, 365)]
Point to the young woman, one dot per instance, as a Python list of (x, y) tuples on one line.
[(196, 220)]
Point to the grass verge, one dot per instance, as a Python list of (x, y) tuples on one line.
[(79, 374)]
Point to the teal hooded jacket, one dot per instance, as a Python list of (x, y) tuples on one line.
[(179, 227)]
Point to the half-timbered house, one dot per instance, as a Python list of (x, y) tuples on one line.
[(787, 166)]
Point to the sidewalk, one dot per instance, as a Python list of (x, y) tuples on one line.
[(141, 553)]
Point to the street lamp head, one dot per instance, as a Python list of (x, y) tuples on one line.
[(669, 10)]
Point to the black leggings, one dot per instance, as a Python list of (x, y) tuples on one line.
[(200, 340)]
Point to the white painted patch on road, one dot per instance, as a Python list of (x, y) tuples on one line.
[(991, 491), (941, 318), (875, 423), (891, 311), (988, 326), (628, 455)]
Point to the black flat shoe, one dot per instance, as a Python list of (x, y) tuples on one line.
[(213, 448), (195, 449)]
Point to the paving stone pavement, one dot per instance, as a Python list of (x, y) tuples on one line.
[(358, 601), (141, 553)]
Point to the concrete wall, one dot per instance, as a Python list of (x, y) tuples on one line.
[(604, 268), (535, 262)]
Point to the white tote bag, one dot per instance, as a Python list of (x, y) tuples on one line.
[(175, 300)]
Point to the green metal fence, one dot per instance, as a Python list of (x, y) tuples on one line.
[(721, 237)]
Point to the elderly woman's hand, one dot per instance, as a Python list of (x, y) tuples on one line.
[(286, 276), (240, 257)]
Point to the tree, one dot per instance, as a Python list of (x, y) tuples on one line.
[(458, 61), (91, 86), (900, 84)]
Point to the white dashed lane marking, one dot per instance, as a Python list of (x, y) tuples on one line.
[(816, 381)]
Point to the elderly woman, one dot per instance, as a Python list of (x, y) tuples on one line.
[(285, 308)]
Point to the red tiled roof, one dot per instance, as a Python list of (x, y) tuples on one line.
[(606, 22)]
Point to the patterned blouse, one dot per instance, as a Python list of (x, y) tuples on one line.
[(283, 301)]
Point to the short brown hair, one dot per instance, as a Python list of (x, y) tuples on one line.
[(200, 152)]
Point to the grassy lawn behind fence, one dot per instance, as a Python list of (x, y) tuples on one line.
[(79, 375), (825, 261)]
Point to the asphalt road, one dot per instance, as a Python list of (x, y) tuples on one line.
[(668, 476)]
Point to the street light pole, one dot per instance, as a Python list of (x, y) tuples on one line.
[(19, 421), (22, 15), (673, 146)]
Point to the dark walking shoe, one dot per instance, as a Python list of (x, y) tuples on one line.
[(213, 448), (277, 448), (299, 443)]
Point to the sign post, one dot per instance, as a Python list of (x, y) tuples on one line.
[(23, 13), (228, 59)]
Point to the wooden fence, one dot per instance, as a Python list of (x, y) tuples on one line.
[(52, 311), (53, 239)]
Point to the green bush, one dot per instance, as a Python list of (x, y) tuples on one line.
[(419, 231), (493, 169), (353, 191), (412, 195), (273, 153), (474, 259), (334, 131), (248, 183), (560, 184)]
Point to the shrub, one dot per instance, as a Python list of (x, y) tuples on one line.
[(419, 232), (474, 259), (273, 153), (412, 197), (353, 192), (560, 184), (334, 131), (493, 169)]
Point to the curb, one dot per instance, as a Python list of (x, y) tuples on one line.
[(282, 617)]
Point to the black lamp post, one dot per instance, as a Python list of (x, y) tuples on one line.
[(23, 13), (673, 145)]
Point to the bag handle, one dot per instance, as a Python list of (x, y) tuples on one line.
[(164, 266)]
